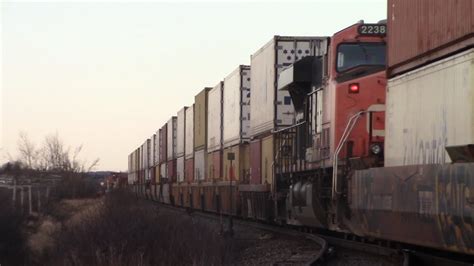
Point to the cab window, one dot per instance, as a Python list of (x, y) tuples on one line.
[(351, 55)]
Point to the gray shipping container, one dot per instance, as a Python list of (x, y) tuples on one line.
[(272, 109), (171, 135), (236, 107)]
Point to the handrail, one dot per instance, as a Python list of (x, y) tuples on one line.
[(286, 128), (350, 125)]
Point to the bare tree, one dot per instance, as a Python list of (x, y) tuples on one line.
[(53, 155), (28, 154)]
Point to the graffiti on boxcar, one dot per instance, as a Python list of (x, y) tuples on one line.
[(437, 200), (456, 212), (417, 151)]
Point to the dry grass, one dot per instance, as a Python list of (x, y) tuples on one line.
[(125, 231)]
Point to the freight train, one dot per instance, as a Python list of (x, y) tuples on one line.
[(317, 133)]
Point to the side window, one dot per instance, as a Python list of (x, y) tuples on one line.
[(287, 100)]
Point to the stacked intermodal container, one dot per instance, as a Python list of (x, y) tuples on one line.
[(189, 145), (163, 152), (180, 143), (151, 160), (270, 108), (431, 71), (214, 133), (145, 160), (427, 31), (171, 148), (236, 126), (200, 134), (156, 157)]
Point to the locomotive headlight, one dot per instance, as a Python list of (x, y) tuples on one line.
[(376, 149)]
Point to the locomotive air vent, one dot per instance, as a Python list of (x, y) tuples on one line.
[(299, 78)]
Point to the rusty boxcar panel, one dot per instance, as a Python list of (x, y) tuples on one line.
[(267, 160), (229, 198), (428, 109), (197, 197), (427, 205), (189, 170), (214, 165), (241, 164), (423, 31), (210, 197), (256, 162)]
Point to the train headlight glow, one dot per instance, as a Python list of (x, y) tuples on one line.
[(376, 149)]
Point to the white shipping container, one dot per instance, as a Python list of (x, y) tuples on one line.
[(429, 109), (171, 135), (236, 107), (189, 136), (180, 131), (163, 171), (157, 148), (180, 169), (200, 164), (214, 118), (144, 156), (271, 108)]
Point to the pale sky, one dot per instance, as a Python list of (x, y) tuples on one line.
[(107, 75)]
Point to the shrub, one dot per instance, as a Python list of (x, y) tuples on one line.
[(12, 241), (127, 231)]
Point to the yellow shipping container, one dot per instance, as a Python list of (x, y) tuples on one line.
[(200, 119)]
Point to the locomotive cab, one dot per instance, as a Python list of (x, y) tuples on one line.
[(339, 101)]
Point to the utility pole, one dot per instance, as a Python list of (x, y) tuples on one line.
[(231, 158)]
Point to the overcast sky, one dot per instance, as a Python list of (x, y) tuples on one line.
[(107, 75)]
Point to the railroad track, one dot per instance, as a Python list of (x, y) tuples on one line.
[(408, 256)]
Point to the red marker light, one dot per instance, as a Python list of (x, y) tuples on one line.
[(354, 88)]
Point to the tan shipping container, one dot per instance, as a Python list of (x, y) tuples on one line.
[(241, 163), (200, 119), (267, 160), (420, 32)]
